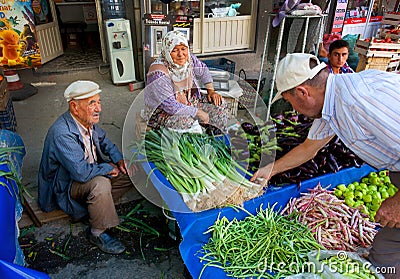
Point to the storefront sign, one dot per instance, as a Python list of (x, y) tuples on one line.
[(152, 19), (18, 40), (362, 20), (340, 14)]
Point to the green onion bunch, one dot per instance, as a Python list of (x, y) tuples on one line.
[(194, 164), (6, 154)]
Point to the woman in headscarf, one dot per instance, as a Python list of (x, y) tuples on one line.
[(172, 95)]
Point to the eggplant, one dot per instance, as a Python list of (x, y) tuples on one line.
[(247, 127), (255, 131)]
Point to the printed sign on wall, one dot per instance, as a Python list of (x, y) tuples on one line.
[(18, 41), (340, 14)]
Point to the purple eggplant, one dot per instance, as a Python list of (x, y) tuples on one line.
[(247, 127)]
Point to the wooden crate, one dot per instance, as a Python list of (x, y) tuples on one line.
[(384, 33), (377, 63), (370, 49), (392, 19), (394, 64)]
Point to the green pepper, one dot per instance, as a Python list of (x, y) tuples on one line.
[(374, 180), (372, 174), (383, 173), (365, 180)]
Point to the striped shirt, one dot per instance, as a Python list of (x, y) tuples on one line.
[(345, 69), (363, 110)]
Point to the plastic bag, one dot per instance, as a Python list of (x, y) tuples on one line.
[(329, 38), (330, 270), (195, 129), (306, 9), (353, 58)]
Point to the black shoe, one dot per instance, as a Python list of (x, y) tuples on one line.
[(105, 242)]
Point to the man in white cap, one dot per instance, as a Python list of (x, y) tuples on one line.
[(81, 171), (363, 110)]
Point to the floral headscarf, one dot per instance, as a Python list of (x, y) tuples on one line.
[(170, 40)]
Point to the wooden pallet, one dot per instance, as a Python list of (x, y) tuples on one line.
[(33, 215)]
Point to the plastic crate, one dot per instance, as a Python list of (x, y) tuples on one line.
[(221, 64), (7, 117)]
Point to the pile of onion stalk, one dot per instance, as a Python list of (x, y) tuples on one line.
[(198, 166)]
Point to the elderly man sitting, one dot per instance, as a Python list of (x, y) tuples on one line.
[(81, 171)]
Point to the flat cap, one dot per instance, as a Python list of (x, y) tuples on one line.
[(81, 89)]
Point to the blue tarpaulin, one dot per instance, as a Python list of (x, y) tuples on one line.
[(193, 224)]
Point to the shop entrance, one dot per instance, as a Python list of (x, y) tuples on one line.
[(80, 37)]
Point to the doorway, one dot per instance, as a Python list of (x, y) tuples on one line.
[(79, 32)]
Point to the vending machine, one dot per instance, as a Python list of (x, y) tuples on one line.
[(120, 50)]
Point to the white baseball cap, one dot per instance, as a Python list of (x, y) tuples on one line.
[(81, 89), (293, 70)]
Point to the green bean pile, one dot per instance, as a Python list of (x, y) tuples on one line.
[(265, 245)]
